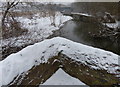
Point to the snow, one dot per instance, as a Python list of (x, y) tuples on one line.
[(38, 27), (62, 78), (118, 24), (111, 25), (24, 60), (84, 14), (67, 3)]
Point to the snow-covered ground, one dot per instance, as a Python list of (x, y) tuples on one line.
[(62, 78), (38, 27), (24, 60)]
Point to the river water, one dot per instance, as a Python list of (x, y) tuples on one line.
[(78, 31)]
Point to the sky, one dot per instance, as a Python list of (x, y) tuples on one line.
[(66, 0), (97, 0)]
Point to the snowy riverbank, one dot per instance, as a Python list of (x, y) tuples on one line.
[(38, 27), (24, 60)]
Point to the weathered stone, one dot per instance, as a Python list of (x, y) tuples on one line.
[(40, 73)]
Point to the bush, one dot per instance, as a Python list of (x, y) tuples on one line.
[(12, 28)]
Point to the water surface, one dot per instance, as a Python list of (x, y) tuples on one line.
[(79, 32)]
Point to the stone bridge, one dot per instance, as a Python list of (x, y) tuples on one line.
[(36, 63), (39, 74)]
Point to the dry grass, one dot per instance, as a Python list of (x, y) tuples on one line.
[(28, 14), (23, 14)]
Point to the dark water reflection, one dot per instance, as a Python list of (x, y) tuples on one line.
[(79, 32)]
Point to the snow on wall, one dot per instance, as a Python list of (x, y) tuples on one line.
[(24, 60)]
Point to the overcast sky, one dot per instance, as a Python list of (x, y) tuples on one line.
[(98, 0), (66, 0)]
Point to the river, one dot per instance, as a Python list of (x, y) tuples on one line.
[(79, 31)]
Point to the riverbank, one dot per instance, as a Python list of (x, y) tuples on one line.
[(39, 28)]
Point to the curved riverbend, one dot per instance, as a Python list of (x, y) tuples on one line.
[(79, 32)]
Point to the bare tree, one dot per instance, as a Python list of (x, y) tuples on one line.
[(52, 13), (8, 6)]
